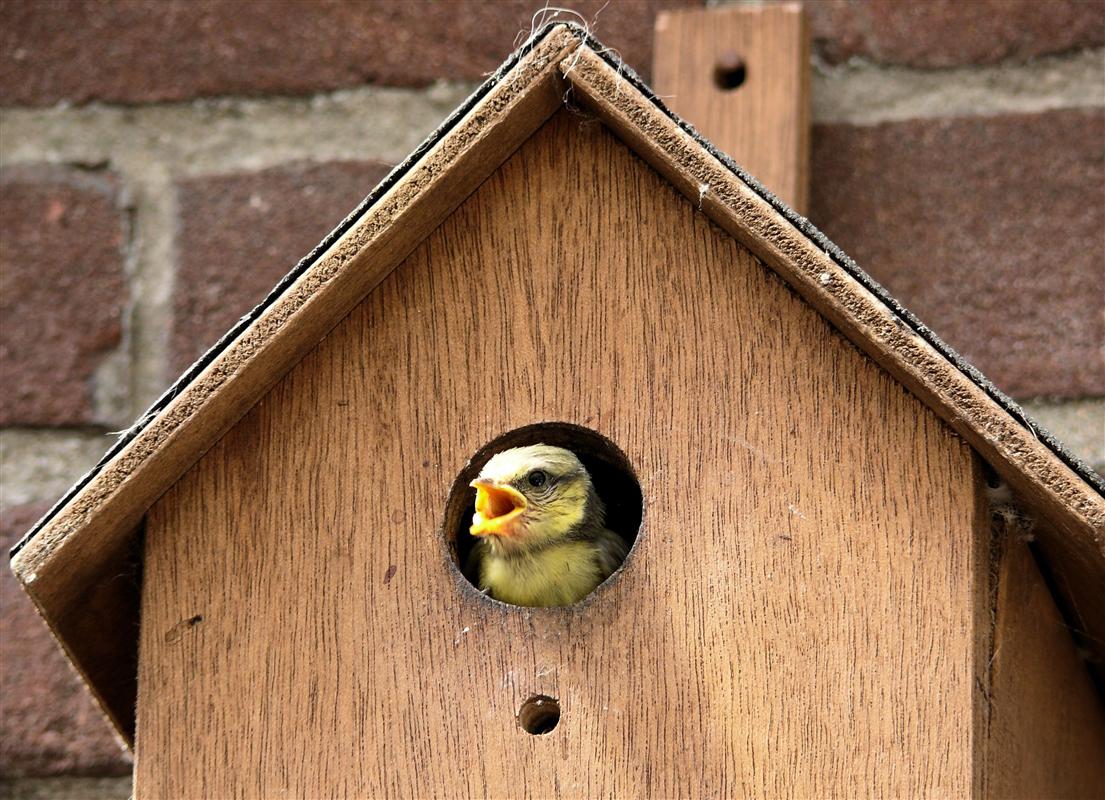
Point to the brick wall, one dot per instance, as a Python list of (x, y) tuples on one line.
[(163, 163)]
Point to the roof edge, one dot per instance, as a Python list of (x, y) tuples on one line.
[(803, 224), (842, 259), (1067, 497), (74, 549), (199, 365)]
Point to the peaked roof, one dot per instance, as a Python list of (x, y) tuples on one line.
[(68, 561)]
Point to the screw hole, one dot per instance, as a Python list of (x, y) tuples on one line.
[(730, 72), (539, 715)]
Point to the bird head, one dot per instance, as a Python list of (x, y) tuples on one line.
[(528, 496)]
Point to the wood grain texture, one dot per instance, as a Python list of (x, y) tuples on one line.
[(1073, 541), (1047, 721), (799, 615), (763, 124), (78, 550)]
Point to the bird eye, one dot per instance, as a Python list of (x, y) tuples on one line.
[(537, 478)]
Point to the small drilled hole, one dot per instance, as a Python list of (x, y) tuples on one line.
[(539, 715), (729, 72)]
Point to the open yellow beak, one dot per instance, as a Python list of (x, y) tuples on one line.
[(497, 507)]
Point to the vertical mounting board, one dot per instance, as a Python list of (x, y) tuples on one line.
[(741, 76)]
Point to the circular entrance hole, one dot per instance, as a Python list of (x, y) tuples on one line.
[(610, 471), (729, 72), (539, 715)]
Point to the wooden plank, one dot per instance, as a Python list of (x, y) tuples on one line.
[(1047, 722), (763, 123), (1074, 539), (799, 616), (77, 549)]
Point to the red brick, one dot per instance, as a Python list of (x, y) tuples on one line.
[(989, 228), (49, 724), (133, 51), (944, 33), (240, 233), (62, 290)]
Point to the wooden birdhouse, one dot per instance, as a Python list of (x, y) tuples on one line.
[(856, 567)]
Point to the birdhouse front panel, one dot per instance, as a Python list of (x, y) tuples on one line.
[(799, 614)]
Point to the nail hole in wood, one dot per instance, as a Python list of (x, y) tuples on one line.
[(729, 72), (610, 470), (539, 715)]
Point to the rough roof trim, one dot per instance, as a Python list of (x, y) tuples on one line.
[(845, 261), (71, 556), (1068, 502), (193, 371), (629, 75)]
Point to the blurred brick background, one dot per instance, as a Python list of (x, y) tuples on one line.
[(163, 162)]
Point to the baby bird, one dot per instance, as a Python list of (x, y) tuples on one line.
[(541, 529)]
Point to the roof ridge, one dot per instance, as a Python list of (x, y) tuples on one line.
[(800, 222)]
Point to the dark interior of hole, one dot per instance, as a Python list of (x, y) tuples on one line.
[(609, 469), (539, 715), (729, 74)]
